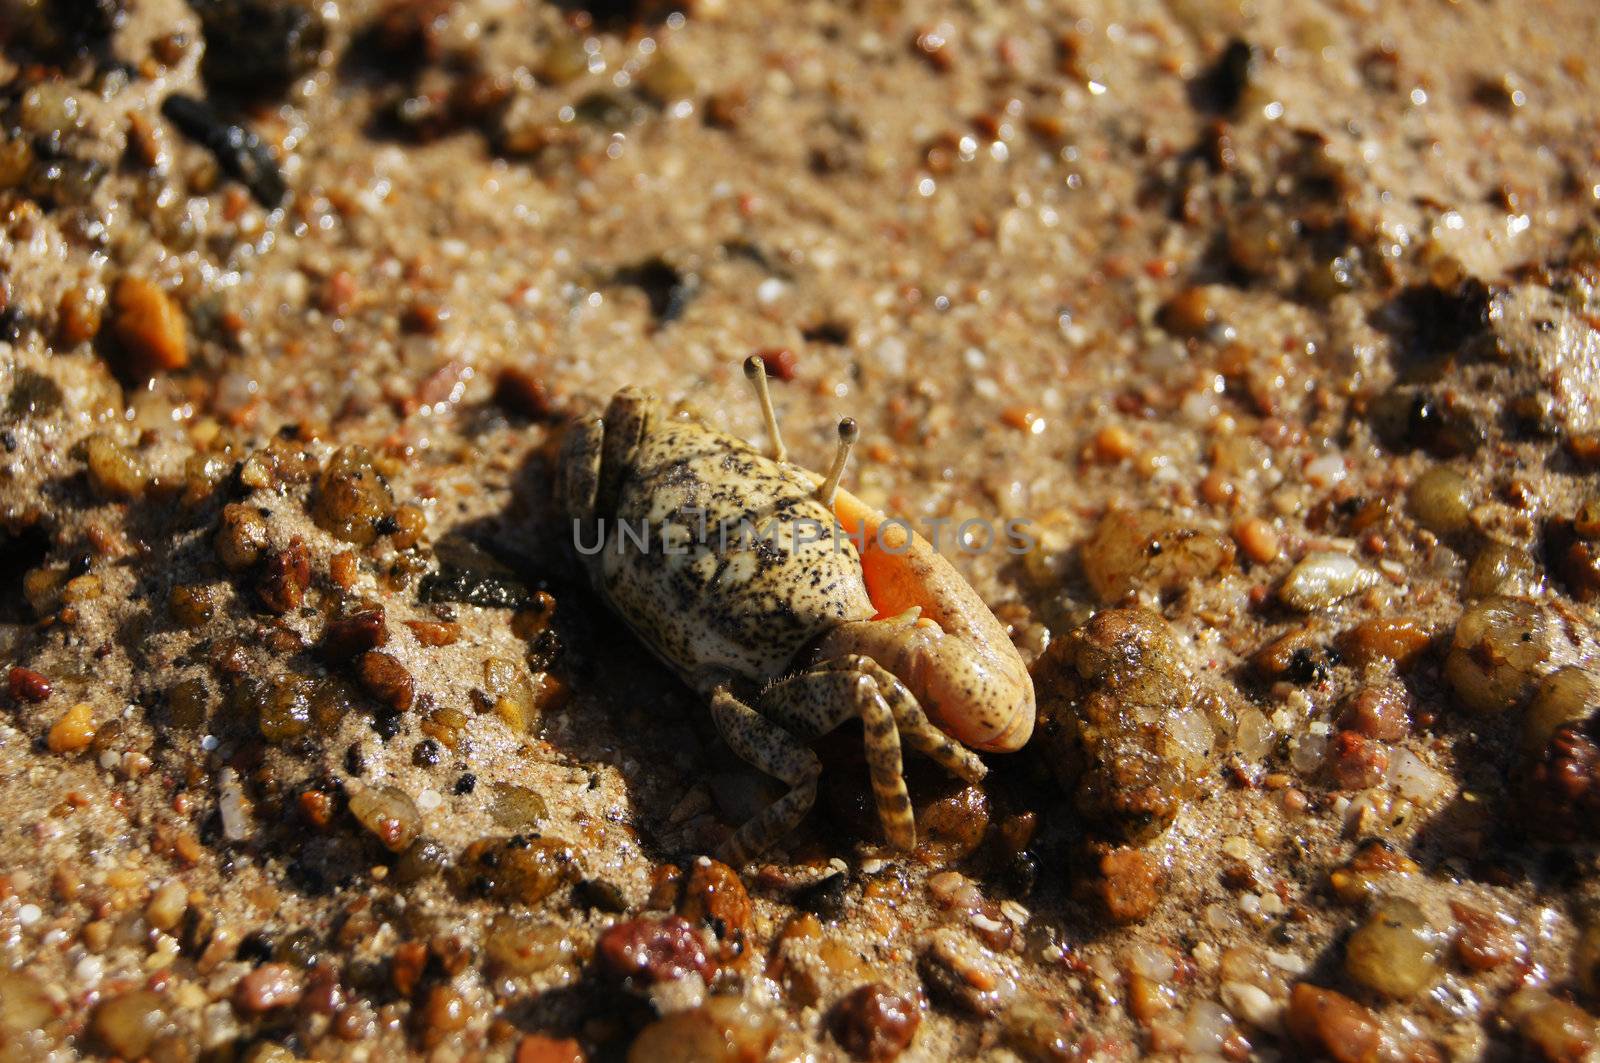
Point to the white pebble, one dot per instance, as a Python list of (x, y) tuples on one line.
[(769, 290), (1252, 1004), (233, 806), (1325, 471), (429, 799), (1322, 579), (29, 914), (89, 969)]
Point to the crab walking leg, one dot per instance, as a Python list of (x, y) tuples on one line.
[(916, 730), (820, 699), (761, 743)]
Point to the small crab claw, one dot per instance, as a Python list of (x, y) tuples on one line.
[(936, 635)]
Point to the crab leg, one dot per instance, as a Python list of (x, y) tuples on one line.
[(810, 704), (763, 744), (916, 730)]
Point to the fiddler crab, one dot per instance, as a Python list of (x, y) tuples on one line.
[(789, 634)]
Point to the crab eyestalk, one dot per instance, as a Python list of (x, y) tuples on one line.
[(848, 433), (756, 370)]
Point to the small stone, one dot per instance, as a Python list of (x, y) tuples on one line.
[(715, 897), (115, 472), (349, 636), (1484, 940), (667, 81), (1394, 952), (1561, 1032), (516, 807), (1128, 885), (445, 1012), (73, 731), (1355, 762), (241, 537), (1569, 695), (434, 633), (522, 392), (268, 988), (1323, 579), (964, 975), (387, 680), (167, 905), (286, 576), (1189, 314), (193, 604), (351, 497), (874, 1024), (516, 946), (1397, 640), (27, 686), (1258, 539), (389, 813), (724, 1029), (150, 328), (540, 1048), (128, 1024), (517, 868), (1381, 711), (1441, 500), (1333, 1025), (642, 952)]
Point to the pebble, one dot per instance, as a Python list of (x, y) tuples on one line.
[(722, 1030), (267, 988), (1333, 1025), (1355, 762), (115, 472), (516, 946), (539, 1048), (715, 897), (127, 1025), (1258, 539), (1381, 711), (1499, 652), (389, 813), (73, 731), (1252, 1004), (238, 816), (1569, 695), (874, 1024), (517, 868), (149, 326), (643, 952), (1394, 952), (1128, 885), (1484, 940), (1561, 1032), (1441, 500), (964, 975), (28, 686), (387, 680), (167, 905), (1322, 579)]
